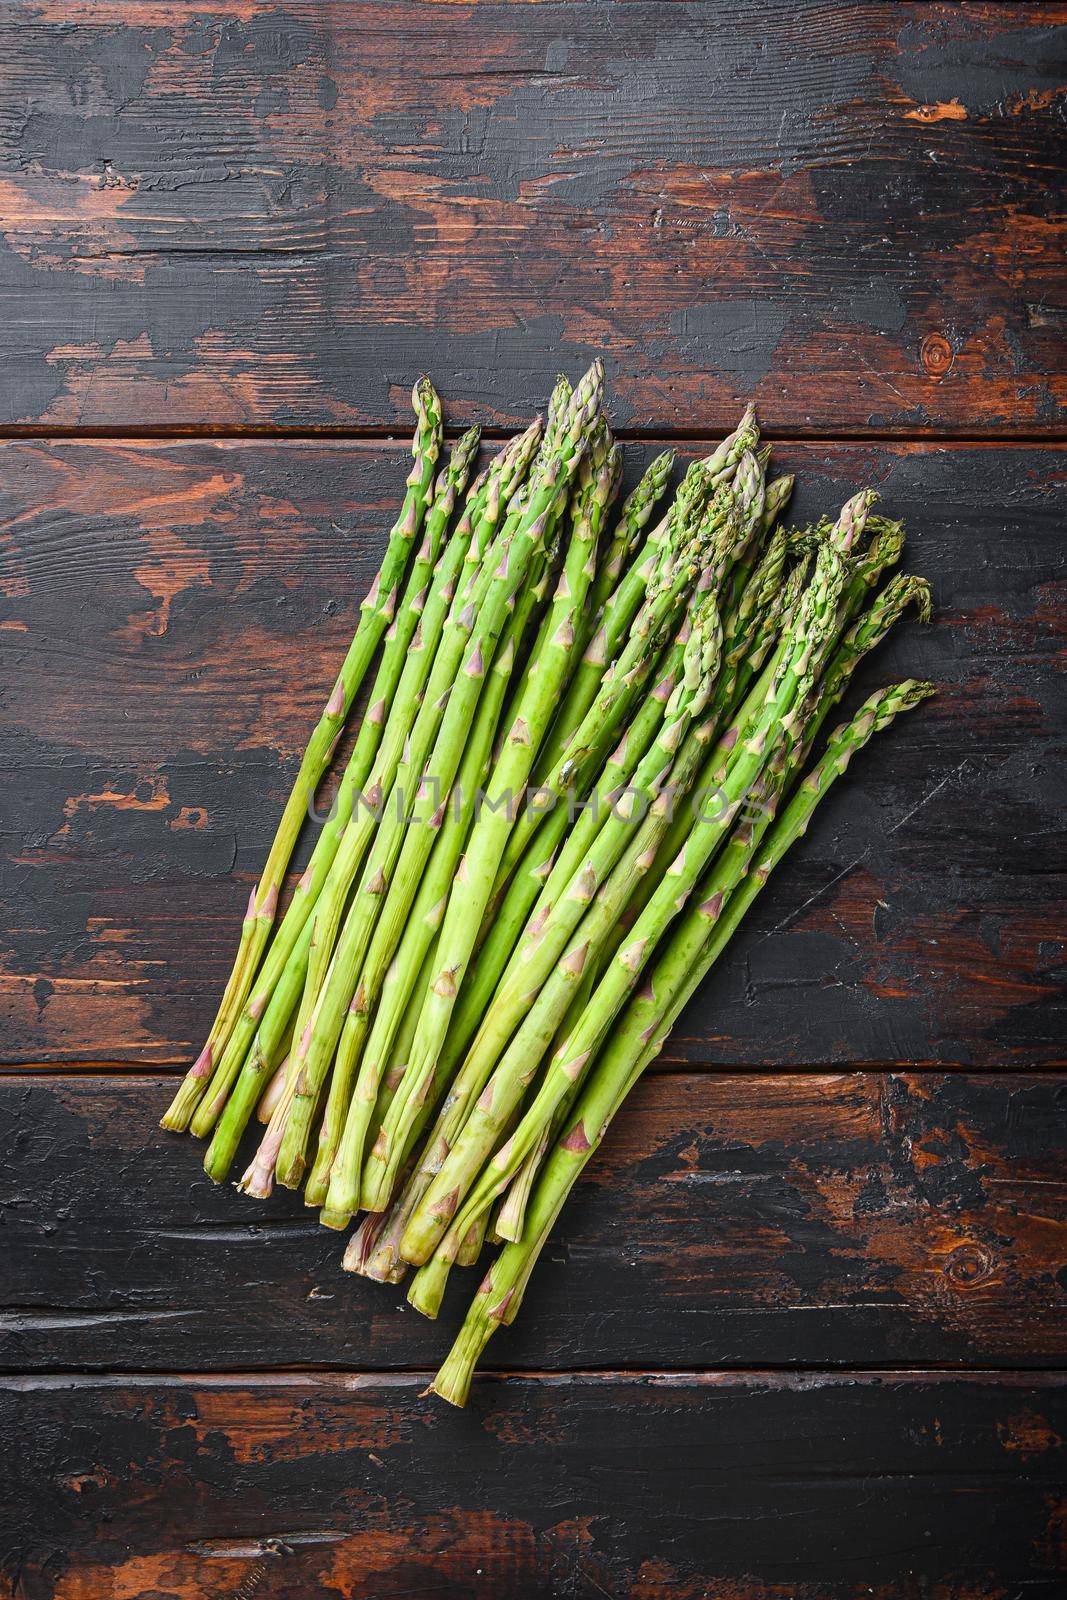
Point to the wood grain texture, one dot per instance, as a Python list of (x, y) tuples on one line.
[(245, 214), (858, 1219), (756, 1487), (255, 217), (170, 621)]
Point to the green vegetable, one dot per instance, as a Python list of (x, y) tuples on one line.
[(582, 755)]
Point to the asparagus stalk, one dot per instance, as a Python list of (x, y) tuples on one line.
[(727, 523), (281, 979), (571, 892), (752, 559), (374, 1249), (376, 1188), (388, 976), (272, 1092), (398, 639), (776, 499), (471, 1247), (634, 517), (512, 902), (429, 1282), (613, 625), (376, 612), (561, 941), (490, 965), (618, 611), (863, 572), (482, 858), (863, 637), (432, 894), (603, 459), (638, 1038), (511, 1216), (755, 743), (397, 1057), (548, 492), (749, 675), (557, 848), (576, 877), (258, 1178), (511, 1212), (388, 921)]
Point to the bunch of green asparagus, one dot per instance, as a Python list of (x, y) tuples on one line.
[(586, 744)]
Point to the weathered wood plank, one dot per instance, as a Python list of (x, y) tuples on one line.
[(170, 619), (764, 1485), (243, 214), (857, 1219)]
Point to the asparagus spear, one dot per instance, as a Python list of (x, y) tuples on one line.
[(374, 1249), (634, 517), (479, 520), (612, 622), (378, 1180), (398, 641), (482, 858), (557, 848), (395, 972), (638, 1038), (258, 1178), (571, 893), (562, 940), (776, 499), (613, 625), (385, 918), (746, 683), (511, 1211), (282, 979), (575, 879), (376, 612), (863, 637), (754, 743), (429, 1282), (393, 1072), (272, 1092), (727, 524), (757, 600), (471, 1247), (431, 900), (548, 493)]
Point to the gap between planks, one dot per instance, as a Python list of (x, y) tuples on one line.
[(168, 1071), (1052, 437), (782, 1377)]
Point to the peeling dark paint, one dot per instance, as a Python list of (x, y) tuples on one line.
[(682, 1485), (728, 1219), (310, 203)]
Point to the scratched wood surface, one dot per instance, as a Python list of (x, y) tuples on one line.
[(800, 1333), (644, 1485), (911, 1218), (242, 214), (170, 620)]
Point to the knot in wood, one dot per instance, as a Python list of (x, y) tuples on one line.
[(936, 355), (969, 1264)]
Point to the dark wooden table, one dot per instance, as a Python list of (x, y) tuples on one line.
[(802, 1333)]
